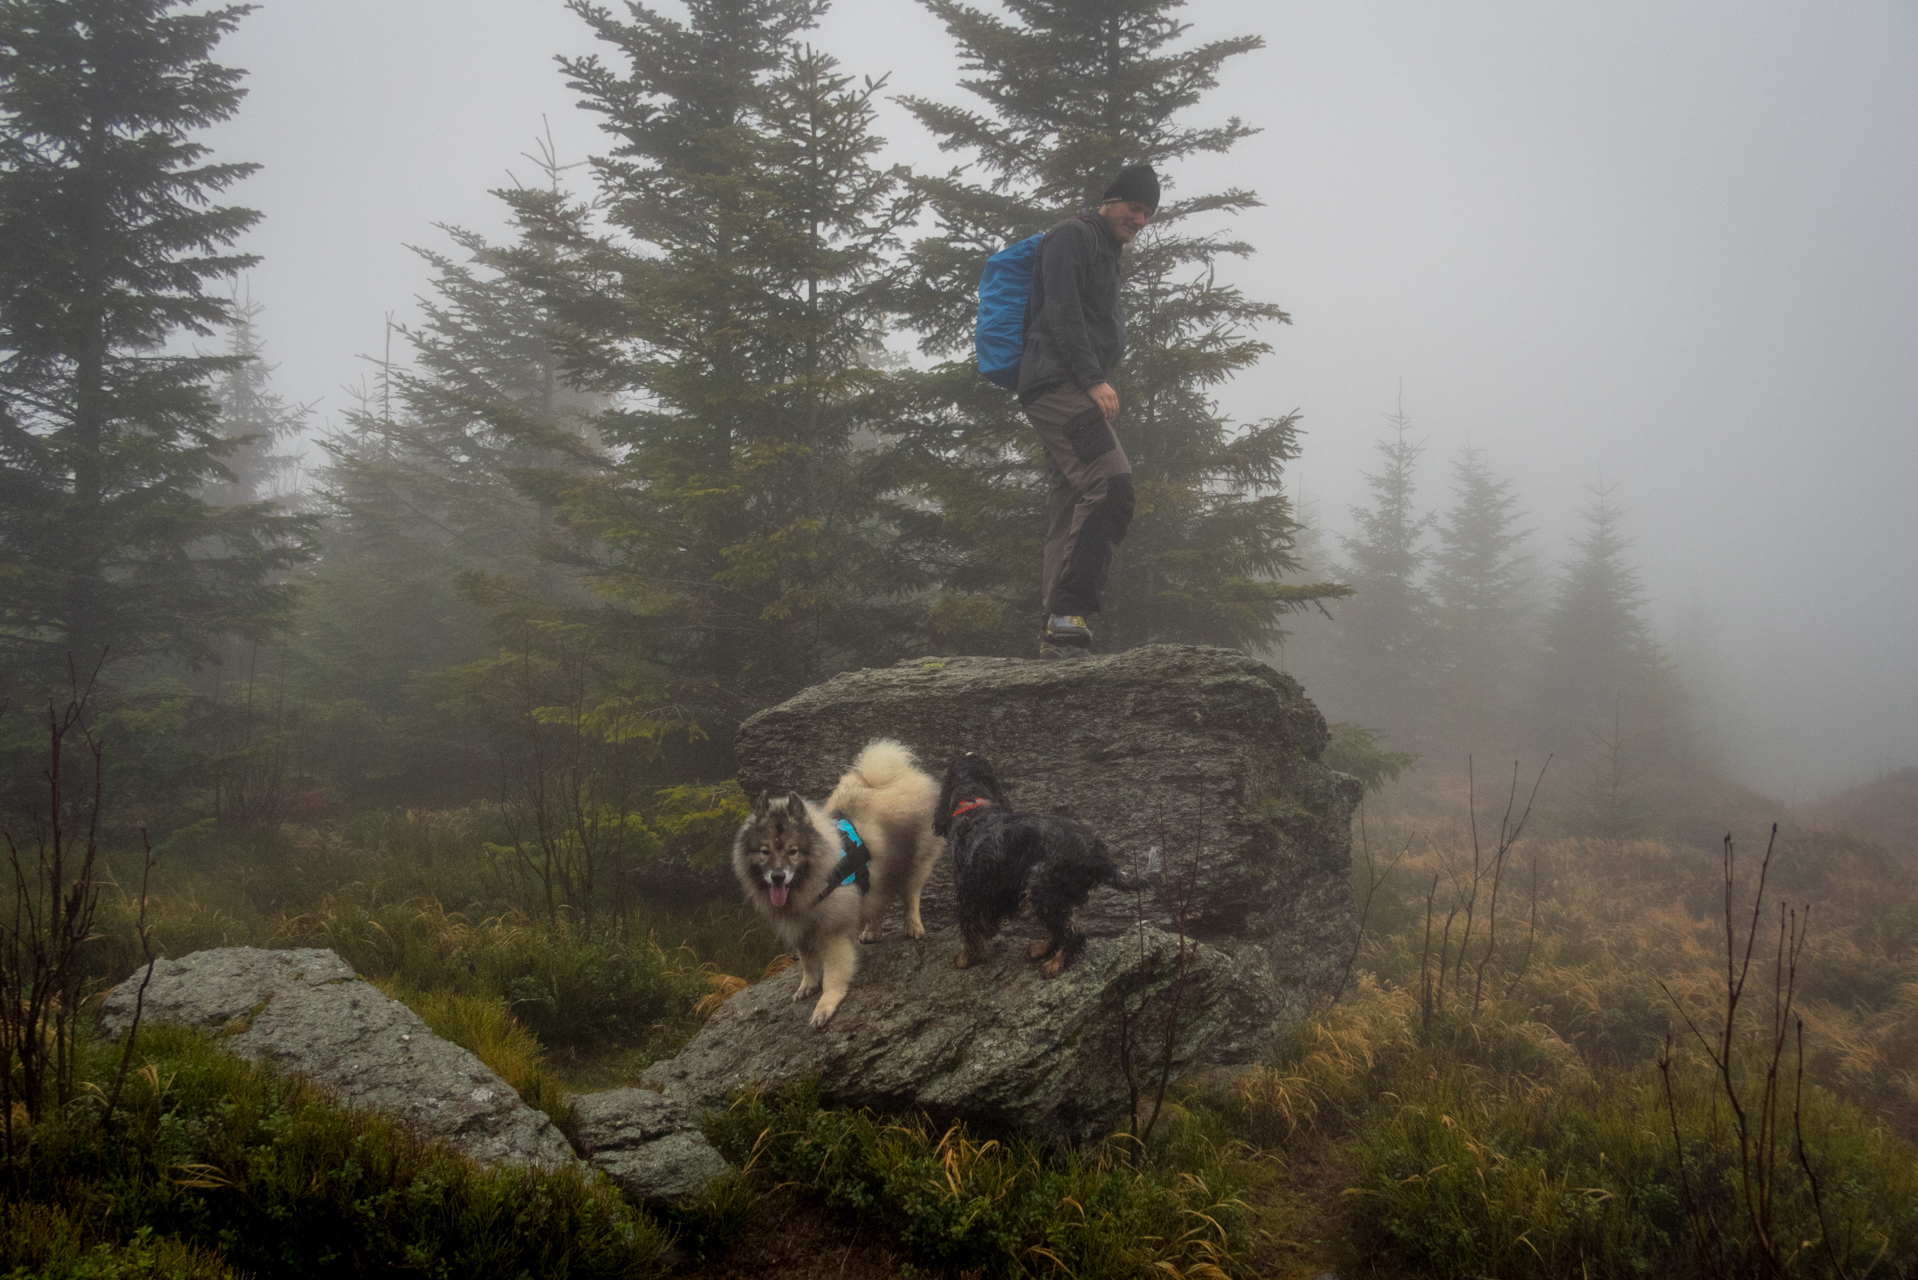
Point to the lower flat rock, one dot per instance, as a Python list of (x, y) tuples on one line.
[(994, 1044), (307, 1012), (647, 1143)]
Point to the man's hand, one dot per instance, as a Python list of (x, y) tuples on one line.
[(1106, 398)]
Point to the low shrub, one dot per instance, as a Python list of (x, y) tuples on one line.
[(963, 1205), (1468, 1178), (1533, 1183), (46, 1242), (570, 989), (211, 1158), (1488, 1146)]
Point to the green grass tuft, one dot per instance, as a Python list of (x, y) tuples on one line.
[(949, 1201), (211, 1162)]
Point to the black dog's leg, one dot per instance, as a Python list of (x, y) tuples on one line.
[(970, 949), (976, 928), (1062, 942)]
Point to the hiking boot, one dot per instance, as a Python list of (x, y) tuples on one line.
[(1068, 628), (1066, 652)]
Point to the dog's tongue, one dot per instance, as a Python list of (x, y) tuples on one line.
[(778, 894)]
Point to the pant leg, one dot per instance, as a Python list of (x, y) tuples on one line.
[(1060, 501), (1091, 511)]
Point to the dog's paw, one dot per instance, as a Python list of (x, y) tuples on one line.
[(915, 931), (1055, 966), (964, 961), (1041, 949), (822, 1013), (805, 993), (869, 934)]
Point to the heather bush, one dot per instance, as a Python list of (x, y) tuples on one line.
[(211, 1166)]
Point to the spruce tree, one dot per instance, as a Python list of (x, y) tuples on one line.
[(1385, 630), (1597, 643), (1073, 90), (488, 429), (437, 519), (1479, 575), (1607, 696), (109, 233), (732, 528), (255, 419)]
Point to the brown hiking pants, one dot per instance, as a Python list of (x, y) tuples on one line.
[(1089, 503)]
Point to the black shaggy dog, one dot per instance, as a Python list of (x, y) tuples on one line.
[(999, 857)]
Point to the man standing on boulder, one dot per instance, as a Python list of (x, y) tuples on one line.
[(1075, 334)]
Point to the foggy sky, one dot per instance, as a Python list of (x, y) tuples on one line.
[(1666, 244)]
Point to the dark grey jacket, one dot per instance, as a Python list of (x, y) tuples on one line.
[(1074, 332)]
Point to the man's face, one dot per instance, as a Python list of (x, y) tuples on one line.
[(1125, 217)]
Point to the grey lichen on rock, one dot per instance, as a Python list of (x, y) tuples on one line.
[(1208, 755), (306, 1012), (994, 1044), (647, 1143)]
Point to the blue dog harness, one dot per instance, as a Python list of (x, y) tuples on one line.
[(855, 863)]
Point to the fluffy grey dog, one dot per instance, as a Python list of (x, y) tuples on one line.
[(819, 885)]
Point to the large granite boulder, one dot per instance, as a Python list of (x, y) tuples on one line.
[(307, 1012), (994, 1044), (1206, 754)]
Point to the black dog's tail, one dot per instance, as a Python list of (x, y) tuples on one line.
[(1150, 878)]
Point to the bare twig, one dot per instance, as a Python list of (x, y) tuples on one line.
[(1508, 836), (1179, 903), (1804, 1160), (55, 893), (1704, 1239), (145, 936), (1756, 1111), (1374, 878), (1425, 955)]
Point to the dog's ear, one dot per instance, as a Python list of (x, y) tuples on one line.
[(761, 805), (795, 804)]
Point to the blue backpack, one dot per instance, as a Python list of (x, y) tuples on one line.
[(999, 337)]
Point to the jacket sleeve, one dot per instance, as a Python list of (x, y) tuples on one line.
[(1065, 257)]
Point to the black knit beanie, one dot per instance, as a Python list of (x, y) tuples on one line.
[(1136, 182)]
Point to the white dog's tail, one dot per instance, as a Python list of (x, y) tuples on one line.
[(884, 762)]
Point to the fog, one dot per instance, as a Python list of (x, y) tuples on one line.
[(1665, 245)]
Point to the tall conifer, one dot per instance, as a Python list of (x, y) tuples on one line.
[(1073, 90), (1598, 644), (732, 527), (1479, 575), (1385, 631), (255, 418), (108, 235), (1608, 696), (439, 506)]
